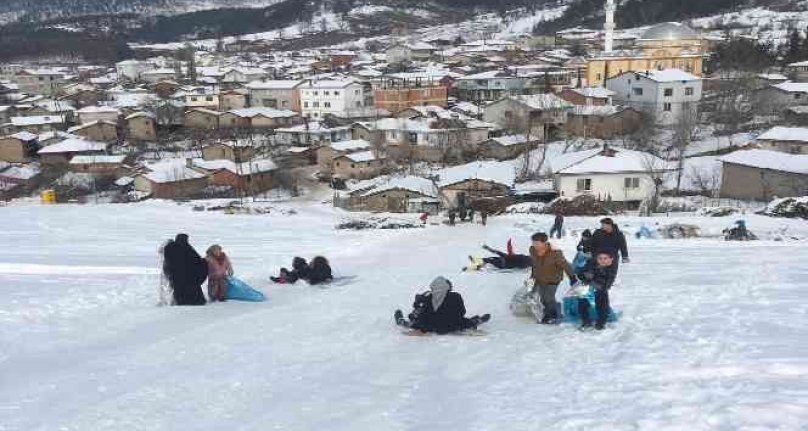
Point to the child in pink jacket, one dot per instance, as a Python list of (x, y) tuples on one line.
[(219, 269)]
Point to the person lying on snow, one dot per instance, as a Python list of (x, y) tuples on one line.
[(300, 270), (508, 260), (599, 273), (219, 268), (440, 310)]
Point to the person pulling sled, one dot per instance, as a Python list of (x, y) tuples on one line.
[(440, 311)]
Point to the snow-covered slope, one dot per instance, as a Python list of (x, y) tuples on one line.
[(712, 336)]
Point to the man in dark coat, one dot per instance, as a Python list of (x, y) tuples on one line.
[(610, 238), (440, 310), (558, 225), (186, 270)]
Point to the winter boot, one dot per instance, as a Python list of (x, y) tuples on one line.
[(399, 318)]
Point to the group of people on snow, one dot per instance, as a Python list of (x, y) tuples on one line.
[(316, 272), (440, 310)]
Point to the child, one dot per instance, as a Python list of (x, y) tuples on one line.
[(219, 269), (300, 270), (599, 273)]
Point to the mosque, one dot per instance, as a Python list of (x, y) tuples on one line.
[(668, 45)]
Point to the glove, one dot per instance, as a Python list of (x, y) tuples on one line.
[(573, 280), (626, 260)]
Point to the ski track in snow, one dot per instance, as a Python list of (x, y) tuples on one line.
[(712, 334)]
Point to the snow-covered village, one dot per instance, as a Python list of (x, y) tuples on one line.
[(438, 215)]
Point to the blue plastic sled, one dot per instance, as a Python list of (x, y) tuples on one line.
[(570, 306), (238, 290)]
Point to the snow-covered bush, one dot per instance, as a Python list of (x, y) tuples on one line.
[(787, 207)]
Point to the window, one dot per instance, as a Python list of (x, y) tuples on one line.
[(315, 104), (688, 91), (209, 98), (666, 107), (797, 96), (327, 104), (316, 93), (357, 92), (305, 104), (584, 184), (353, 165), (336, 164), (285, 104), (336, 93), (668, 92), (358, 104), (598, 77), (631, 183), (326, 93), (412, 137), (636, 91)]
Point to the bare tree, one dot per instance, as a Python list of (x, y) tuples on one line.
[(656, 169), (707, 180), (685, 132)]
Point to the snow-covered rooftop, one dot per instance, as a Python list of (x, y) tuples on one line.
[(766, 159), (100, 159), (37, 120), (669, 75), (495, 172), (780, 133), (543, 101), (171, 170), (412, 183), (274, 85), (362, 157), (510, 140), (25, 136), (264, 112), (351, 145), (609, 161), (255, 166), (595, 92), (74, 145), (792, 87)]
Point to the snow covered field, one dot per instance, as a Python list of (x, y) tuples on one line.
[(713, 334)]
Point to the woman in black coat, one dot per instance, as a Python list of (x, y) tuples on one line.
[(440, 310), (319, 271), (186, 270)]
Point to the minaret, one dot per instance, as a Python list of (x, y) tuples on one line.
[(608, 26)]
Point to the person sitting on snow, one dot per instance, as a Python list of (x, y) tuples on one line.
[(300, 270), (440, 311), (319, 271), (599, 273)]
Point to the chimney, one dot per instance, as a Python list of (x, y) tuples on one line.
[(608, 26)]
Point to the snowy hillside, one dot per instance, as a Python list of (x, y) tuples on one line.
[(712, 336)]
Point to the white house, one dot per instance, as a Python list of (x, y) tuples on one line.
[(132, 70), (613, 174), (319, 98), (243, 75), (156, 75), (668, 94)]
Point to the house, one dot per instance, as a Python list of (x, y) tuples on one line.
[(258, 118), (275, 94), (243, 75), (763, 174), (339, 97), (171, 179), (18, 148), (777, 98), (494, 85), (398, 195), (670, 95), (62, 152), (19, 179), (296, 157), (49, 138), (506, 147), (156, 75), (588, 96), (461, 185), (238, 151), (36, 124), (102, 165), (532, 114), (141, 126), (362, 165), (792, 140), (92, 114), (233, 99), (327, 153), (132, 70), (426, 139), (798, 71), (398, 53), (397, 92), (618, 175), (251, 177), (199, 98), (797, 115), (39, 81), (602, 121), (200, 118), (103, 131), (311, 133)]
